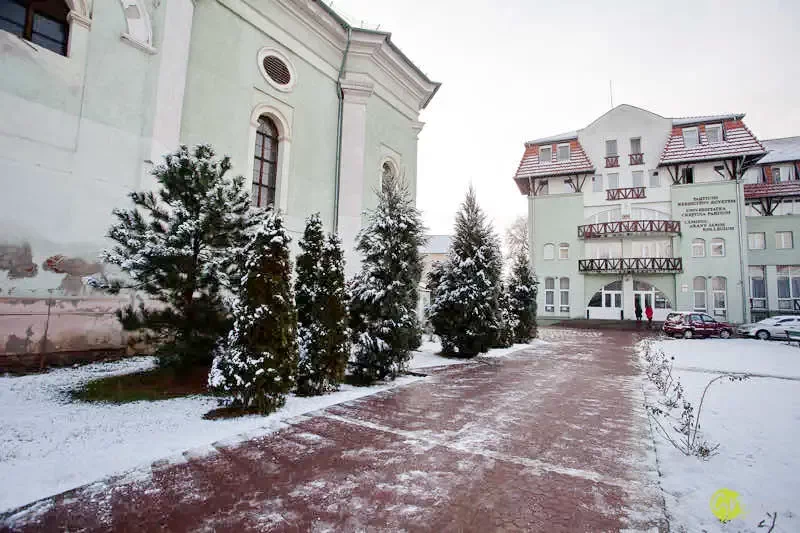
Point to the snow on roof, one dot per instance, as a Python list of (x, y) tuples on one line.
[(532, 167), (437, 244), (685, 121), (779, 150), (567, 136), (737, 141), (771, 190)]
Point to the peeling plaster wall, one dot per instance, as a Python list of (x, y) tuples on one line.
[(78, 134)]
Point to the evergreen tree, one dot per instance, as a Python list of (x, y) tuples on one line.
[(522, 291), (508, 322), (384, 294), (256, 365), (321, 311), (465, 300), (173, 245)]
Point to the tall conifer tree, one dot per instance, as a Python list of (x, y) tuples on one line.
[(384, 294)]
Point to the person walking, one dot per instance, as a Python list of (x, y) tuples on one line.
[(638, 311), (648, 311)]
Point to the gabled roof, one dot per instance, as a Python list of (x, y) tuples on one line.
[(532, 167), (780, 150), (765, 190), (707, 119), (738, 141), (568, 136), (437, 244)]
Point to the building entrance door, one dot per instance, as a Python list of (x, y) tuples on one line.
[(606, 303)]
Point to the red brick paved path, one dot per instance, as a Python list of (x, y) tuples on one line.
[(552, 438)]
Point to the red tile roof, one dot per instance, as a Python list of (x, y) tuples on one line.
[(531, 167), (738, 141), (764, 190)]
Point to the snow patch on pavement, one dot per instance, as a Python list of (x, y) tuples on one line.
[(756, 423), (50, 443)]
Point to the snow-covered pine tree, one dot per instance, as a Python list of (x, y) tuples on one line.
[(464, 308), (321, 311), (173, 245), (256, 365), (522, 291), (507, 320), (384, 294)]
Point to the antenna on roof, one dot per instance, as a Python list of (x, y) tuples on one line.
[(611, 93)]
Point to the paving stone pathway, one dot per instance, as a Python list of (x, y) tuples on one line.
[(551, 438)]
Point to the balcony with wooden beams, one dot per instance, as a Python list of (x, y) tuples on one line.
[(636, 159), (627, 193), (631, 265), (612, 161), (629, 228)]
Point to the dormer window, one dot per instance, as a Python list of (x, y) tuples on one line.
[(714, 133), (690, 137), (563, 152), (545, 154)]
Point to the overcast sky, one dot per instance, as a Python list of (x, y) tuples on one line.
[(514, 70)]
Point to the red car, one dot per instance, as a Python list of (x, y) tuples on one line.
[(693, 324)]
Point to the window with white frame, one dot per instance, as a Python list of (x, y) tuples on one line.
[(613, 181), (687, 175), (690, 137), (549, 294), (756, 241), (563, 152), (597, 183), (563, 285), (545, 154), (611, 148), (636, 145), (549, 251), (789, 287), (638, 178), (699, 287), (776, 174), (714, 133), (655, 181), (758, 287), (718, 247), (784, 240), (719, 292), (698, 248), (563, 251)]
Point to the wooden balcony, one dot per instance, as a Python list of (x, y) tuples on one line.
[(636, 159), (628, 227), (635, 265), (612, 161), (628, 193)]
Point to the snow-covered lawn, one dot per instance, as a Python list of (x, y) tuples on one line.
[(49, 443), (757, 424)]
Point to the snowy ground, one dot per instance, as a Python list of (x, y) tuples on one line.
[(756, 423), (49, 443)]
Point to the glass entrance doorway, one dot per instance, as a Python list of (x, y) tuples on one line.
[(645, 294), (607, 302)]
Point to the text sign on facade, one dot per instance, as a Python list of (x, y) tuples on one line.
[(707, 213)]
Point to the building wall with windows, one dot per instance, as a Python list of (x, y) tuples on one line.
[(87, 108), (260, 80), (661, 218)]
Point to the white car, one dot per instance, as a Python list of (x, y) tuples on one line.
[(770, 328)]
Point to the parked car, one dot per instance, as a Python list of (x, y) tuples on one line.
[(692, 324), (770, 328)]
